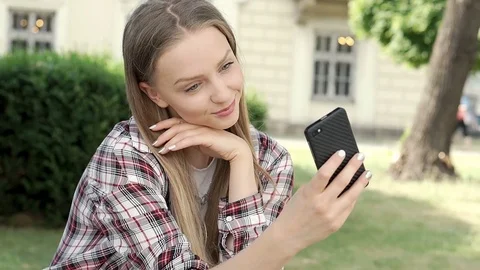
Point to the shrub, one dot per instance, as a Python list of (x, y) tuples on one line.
[(257, 110), (55, 111)]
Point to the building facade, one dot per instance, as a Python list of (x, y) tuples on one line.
[(301, 56)]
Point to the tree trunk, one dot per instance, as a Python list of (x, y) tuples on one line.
[(425, 152)]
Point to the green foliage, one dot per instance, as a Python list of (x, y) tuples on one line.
[(257, 110), (406, 29), (55, 111)]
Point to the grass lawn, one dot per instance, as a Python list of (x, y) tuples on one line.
[(27, 248), (414, 225)]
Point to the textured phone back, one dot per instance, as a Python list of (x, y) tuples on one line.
[(336, 134)]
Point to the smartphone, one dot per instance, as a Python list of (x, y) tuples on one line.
[(331, 133)]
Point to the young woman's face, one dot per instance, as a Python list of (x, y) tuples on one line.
[(200, 80)]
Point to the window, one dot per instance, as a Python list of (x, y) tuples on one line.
[(31, 31), (334, 60)]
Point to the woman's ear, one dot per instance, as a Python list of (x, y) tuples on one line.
[(153, 94)]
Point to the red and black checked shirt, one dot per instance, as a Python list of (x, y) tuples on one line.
[(119, 218)]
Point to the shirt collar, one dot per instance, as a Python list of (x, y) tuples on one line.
[(137, 139)]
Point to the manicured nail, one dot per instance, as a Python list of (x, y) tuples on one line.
[(152, 127), (161, 150), (368, 175), (360, 156), (155, 142), (341, 153), (172, 147)]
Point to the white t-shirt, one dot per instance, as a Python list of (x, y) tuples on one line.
[(203, 179)]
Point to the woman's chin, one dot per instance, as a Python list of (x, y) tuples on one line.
[(225, 122)]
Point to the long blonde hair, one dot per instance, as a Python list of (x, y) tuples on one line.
[(152, 28)]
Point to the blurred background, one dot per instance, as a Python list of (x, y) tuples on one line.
[(407, 80)]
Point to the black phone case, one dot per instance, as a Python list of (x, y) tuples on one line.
[(329, 134)]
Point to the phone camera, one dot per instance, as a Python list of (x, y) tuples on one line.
[(316, 132)]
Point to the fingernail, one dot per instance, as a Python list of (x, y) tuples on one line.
[(172, 147), (341, 153), (368, 175), (155, 142), (360, 156), (152, 127), (161, 150)]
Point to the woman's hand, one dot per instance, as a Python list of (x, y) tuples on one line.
[(212, 142), (316, 211)]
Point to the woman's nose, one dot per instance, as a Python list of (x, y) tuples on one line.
[(220, 92)]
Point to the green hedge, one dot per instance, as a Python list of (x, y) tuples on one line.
[(257, 110), (55, 110)]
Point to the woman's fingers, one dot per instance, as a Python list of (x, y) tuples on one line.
[(184, 139), (342, 180), (166, 124), (186, 142), (352, 194), (323, 175), (172, 132)]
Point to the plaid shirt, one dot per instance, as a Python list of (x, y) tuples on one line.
[(119, 218)]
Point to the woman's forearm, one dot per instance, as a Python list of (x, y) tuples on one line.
[(242, 183), (242, 179), (269, 252)]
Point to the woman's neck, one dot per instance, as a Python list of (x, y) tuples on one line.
[(196, 158)]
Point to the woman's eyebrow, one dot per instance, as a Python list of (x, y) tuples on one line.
[(224, 57), (198, 76)]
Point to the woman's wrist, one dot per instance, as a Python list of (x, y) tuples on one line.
[(288, 245), (272, 251), (242, 153), (242, 177)]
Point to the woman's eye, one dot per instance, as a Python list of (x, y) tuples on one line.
[(227, 65), (193, 87)]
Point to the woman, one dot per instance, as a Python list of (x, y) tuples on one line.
[(187, 183)]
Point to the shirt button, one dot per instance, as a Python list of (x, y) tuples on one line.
[(229, 218)]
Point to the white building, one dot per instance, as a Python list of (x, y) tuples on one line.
[(299, 54)]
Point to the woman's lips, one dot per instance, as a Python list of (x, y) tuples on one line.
[(226, 111)]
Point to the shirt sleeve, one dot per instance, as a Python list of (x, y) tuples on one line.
[(246, 219), (138, 224)]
